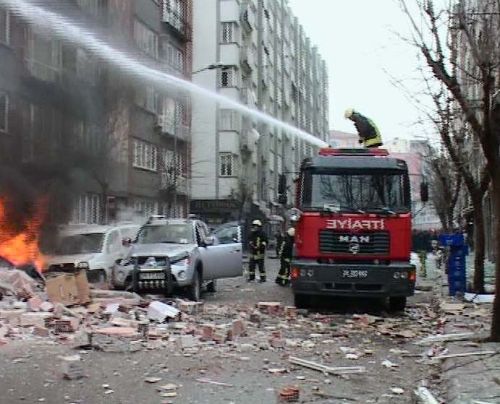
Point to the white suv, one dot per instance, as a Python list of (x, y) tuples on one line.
[(92, 247)]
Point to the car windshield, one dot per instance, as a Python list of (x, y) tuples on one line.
[(166, 233), (374, 192), (79, 244)]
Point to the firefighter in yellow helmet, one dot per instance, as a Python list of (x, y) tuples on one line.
[(257, 243), (286, 250), (368, 132)]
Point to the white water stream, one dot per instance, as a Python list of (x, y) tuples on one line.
[(67, 30)]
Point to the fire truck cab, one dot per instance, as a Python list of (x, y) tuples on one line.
[(353, 228)]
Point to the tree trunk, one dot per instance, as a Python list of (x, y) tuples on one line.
[(479, 247), (495, 324)]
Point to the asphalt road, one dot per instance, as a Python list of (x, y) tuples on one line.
[(249, 370)]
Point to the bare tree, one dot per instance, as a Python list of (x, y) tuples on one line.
[(468, 69), (446, 183)]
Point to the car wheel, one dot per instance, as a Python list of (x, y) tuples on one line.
[(301, 301), (397, 303), (212, 286), (194, 290)]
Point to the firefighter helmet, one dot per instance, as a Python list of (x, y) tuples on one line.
[(291, 231), (348, 113), (257, 223)]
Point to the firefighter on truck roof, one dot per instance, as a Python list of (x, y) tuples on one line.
[(368, 133), (257, 243)]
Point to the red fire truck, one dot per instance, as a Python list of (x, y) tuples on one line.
[(353, 227)]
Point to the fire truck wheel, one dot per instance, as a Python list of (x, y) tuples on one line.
[(397, 303), (301, 301)]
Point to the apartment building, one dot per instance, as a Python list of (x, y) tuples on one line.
[(254, 52), (484, 24), (122, 145)]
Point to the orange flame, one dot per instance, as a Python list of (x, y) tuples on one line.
[(21, 248)]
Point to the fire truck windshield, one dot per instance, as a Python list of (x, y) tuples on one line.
[(361, 192)]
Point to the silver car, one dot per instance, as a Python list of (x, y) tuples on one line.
[(181, 252)]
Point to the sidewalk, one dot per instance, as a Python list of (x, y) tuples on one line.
[(474, 377)]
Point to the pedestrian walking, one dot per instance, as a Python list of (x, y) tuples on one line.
[(286, 250), (257, 243)]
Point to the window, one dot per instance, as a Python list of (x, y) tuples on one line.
[(145, 207), (228, 119), (227, 78), (93, 7), (86, 209), (173, 56), (4, 112), (4, 27), (87, 138), (86, 67), (229, 32), (146, 39), (147, 98), (44, 57), (227, 165), (173, 13), (145, 155)]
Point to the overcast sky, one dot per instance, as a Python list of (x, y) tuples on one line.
[(357, 40)]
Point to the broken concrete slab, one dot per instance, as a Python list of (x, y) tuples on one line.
[(446, 337), (158, 311), (34, 319), (72, 368)]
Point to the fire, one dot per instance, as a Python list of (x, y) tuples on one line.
[(21, 247)]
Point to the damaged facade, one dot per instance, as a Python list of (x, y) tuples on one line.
[(114, 148)]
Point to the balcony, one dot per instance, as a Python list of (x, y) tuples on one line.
[(168, 127), (174, 183), (42, 71), (176, 21)]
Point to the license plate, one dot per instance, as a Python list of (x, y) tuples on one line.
[(152, 276), (354, 273)]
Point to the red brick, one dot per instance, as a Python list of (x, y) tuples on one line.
[(238, 328), (271, 308), (290, 311), (35, 303), (40, 331), (207, 332)]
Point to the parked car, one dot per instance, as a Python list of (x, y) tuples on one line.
[(181, 252), (92, 247)]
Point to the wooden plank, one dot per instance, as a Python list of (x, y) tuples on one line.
[(463, 354), (326, 369), (425, 395)]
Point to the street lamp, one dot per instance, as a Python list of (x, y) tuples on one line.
[(213, 66)]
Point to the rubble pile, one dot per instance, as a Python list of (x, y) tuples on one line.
[(65, 309)]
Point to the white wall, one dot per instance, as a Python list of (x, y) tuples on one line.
[(205, 41)]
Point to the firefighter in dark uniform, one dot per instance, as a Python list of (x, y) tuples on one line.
[(368, 132), (257, 243), (286, 249)]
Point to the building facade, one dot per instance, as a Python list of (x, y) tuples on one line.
[(484, 26), (122, 146), (254, 52)]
